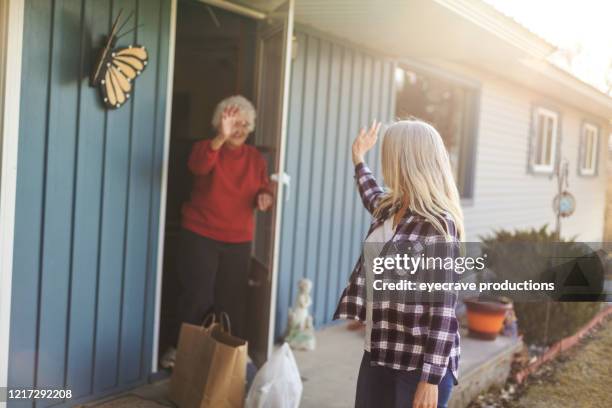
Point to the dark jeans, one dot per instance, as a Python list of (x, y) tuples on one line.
[(383, 387), (213, 277)]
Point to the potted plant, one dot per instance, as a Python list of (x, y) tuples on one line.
[(486, 315)]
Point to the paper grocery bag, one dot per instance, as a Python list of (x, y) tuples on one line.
[(210, 368)]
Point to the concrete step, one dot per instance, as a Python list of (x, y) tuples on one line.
[(329, 373)]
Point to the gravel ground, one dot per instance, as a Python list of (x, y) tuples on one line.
[(581, 377)]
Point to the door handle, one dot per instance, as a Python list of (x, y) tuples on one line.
[(285, 179)]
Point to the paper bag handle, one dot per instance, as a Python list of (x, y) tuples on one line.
[(209, 320), (225, 322)]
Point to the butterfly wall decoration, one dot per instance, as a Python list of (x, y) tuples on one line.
[(116, 68)]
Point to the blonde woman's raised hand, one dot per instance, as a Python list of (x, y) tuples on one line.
[(365, 140)]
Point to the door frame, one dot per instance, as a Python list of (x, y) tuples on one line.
[(164, 179), (286, 82), (11, 40), (161, 233)]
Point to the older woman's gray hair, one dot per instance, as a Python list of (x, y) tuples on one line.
[(244, 106)]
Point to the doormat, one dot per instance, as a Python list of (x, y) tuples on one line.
[(131, 401)]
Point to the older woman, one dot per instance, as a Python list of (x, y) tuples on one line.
[(230, 181)]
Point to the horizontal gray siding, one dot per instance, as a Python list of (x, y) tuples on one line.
[(506, 195), (335, 89)]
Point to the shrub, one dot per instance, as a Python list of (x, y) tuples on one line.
[(565, 319), (504, 258)]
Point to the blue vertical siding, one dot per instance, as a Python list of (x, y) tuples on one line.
[(88, 188), (335, 89)]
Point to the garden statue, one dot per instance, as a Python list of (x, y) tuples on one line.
[(300, 330)]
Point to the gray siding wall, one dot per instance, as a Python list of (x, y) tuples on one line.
[(506, 195), (335, 89)]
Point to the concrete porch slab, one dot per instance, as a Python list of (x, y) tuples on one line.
[(329, 373), (153, 395)]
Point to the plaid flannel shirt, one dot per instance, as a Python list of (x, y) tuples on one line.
[(411, 335)]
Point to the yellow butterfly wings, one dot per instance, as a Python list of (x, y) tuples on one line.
[(123, 66)]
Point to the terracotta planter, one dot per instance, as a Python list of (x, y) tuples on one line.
[(486, 316)]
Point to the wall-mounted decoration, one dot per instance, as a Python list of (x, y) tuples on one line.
[(564, 203), (115, 68)]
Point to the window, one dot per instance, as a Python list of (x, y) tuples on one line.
[(545, 143), (588, 149), (451, 106)]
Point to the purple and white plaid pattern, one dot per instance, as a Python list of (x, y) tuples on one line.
[(406, 336)]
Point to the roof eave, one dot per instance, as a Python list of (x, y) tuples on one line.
[(500, 25), (537, 52)]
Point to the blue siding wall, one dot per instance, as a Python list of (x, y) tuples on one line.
[(335, 89), (88, 188)]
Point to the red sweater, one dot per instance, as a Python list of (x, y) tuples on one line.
[(225, 188)]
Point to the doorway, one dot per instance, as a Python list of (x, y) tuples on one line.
[(219, 53)]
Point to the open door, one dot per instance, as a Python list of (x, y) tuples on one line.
[(274, 40)]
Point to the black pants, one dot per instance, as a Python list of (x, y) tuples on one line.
[(383, 387), (213, 277)]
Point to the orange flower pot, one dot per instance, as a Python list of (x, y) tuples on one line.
[(486, 316)]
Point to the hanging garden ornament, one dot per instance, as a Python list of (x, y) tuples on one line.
[(564, 204), (115, 69)]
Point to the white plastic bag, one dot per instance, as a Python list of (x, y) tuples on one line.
[(277, 384)]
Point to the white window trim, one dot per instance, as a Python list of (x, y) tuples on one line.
[(11, 22), (545, 168), (595, 152)]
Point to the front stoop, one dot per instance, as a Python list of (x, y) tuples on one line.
[(153, 395), (482, 365), (329, 373)]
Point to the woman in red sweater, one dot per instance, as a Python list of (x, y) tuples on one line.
[(230, 182)]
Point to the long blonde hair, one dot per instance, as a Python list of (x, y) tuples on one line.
[(417, 172)]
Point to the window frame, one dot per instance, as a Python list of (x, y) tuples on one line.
[(468, 146), (540, 112), (583, 171)]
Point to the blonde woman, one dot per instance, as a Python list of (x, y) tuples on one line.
[(411, 351)]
